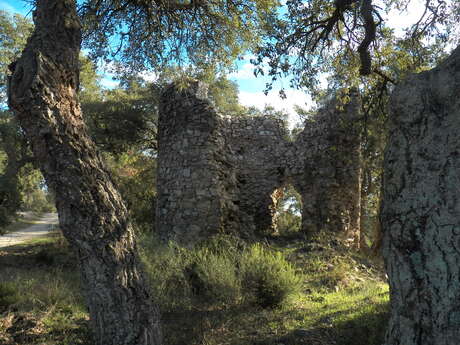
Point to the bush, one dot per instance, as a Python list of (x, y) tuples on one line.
[(220, 272), (8, 295), (165, 267), (213, 277), (268, 277)]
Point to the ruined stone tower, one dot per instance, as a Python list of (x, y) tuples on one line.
[(327, 169), (218, 173)]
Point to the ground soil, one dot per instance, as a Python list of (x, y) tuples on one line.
[(45, 224)]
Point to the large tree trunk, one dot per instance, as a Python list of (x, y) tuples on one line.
[(421, 208), (42, 93)]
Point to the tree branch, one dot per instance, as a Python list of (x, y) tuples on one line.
[(370, 30), (384, 76)]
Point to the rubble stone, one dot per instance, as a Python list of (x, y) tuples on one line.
[(224, 174)]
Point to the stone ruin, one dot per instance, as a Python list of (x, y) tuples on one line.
[(224, 174)]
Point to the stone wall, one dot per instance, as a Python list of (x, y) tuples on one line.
[(327, 169), (218, 173)]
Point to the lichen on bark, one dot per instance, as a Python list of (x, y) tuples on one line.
[(421, 211)]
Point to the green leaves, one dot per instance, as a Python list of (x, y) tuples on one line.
[(319, 37), (152, 34), (14, 31)]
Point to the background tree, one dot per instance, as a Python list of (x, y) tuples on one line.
[(14, 31), (10, 187), (313, 36), (19, 179)]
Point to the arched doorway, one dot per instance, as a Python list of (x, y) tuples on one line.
[(288, 212)]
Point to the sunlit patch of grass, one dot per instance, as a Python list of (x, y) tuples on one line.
[(47, 307), (51, 238)]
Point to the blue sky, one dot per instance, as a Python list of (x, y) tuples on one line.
[(251, 88), (15, 6)]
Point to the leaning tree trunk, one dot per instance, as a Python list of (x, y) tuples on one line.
[(421, 208), (42, 93)]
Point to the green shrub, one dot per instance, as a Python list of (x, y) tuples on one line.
[(220, 272), (165, 267), (213, 277), (181, 276), (8, 295), (267, 277)]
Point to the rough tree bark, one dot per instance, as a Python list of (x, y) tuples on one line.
[(421, 208), (93, 217)]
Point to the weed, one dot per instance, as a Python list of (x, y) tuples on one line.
[(268, 276), (213, 278)]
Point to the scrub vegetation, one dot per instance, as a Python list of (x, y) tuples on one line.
[(225, 291)]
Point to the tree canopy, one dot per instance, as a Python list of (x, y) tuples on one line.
[(316, 37), (14, 31), (148, 34)]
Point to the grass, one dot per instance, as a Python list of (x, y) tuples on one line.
[(40, 299), (343, 297), (208, 296)]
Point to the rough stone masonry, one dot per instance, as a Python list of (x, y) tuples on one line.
[(224, 174)]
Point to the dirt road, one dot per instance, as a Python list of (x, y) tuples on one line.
[(43, 225)]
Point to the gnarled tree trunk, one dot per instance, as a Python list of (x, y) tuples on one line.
[(42, 93), (421, 208)]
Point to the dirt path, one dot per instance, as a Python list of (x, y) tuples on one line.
[(43, 225)]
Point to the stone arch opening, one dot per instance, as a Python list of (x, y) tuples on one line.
[(287, 218)]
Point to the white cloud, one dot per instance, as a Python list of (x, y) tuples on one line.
[(109, 83), (244, 72), (149, 76), (401, 20), (293, 97)]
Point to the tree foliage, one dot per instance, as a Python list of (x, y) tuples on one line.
[(21, 184), (314, 36), (148, 34), (14, 31)]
